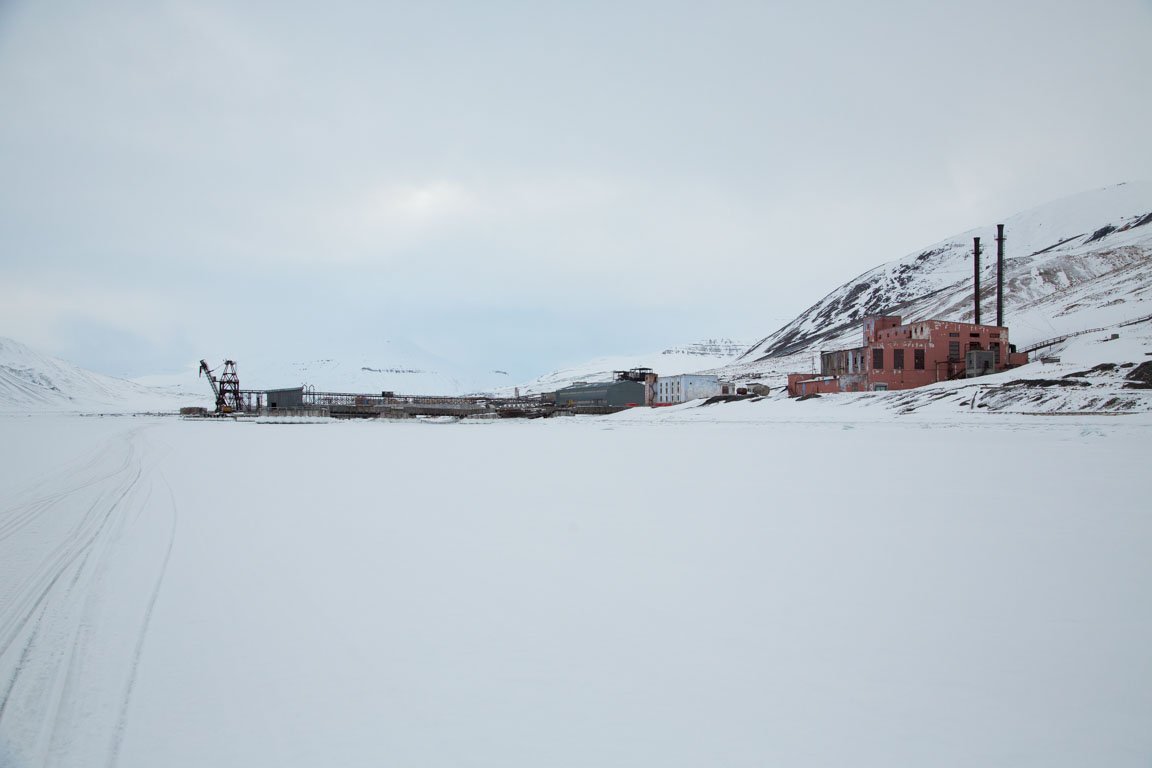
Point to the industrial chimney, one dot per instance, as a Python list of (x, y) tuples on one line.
[(976, 278), (1000, 275)]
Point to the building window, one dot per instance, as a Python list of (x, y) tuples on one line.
[(953, 350), (878, 359), (954, 335), (918, 359), (974, 335), (994, 335), (995, 351), (898, 359), (973, 345)]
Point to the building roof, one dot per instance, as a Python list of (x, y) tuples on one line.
[(584, 387)]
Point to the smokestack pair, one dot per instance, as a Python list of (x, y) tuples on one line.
[(999, 276)]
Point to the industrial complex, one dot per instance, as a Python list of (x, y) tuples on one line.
[(898, 356), (629, 389), (893, 355)]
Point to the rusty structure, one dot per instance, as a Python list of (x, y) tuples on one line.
[(899, 355), (230, 387), (226, 390), (222, 404)]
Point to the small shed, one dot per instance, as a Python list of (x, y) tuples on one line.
[(978, 362), (286, 398)]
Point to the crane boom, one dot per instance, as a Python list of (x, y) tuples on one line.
[(207, 372)]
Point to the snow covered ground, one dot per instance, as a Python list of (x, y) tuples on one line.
[(772, 583)]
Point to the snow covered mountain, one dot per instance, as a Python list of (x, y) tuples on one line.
[(688, 358), (396, 366), (1081, 262), (32, 382), (402, 374), (719, 348)]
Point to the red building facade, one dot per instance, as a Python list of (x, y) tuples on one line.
[(897, 356)]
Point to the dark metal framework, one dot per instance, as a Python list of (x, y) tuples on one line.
[(636, 374), (976, 278), (230, 387), (226, 389), (1000, 275)]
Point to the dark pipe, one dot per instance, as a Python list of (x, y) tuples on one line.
[(1000, 275), (976, 276)]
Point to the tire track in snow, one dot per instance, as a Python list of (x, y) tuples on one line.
[(55, 634), (73, 621), (46, 575), (94, 561), (44, 495), (122, 721)]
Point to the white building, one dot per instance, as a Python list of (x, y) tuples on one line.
[(688, 386)]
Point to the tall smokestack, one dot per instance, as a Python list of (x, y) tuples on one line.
[(976, 277), (1000, 275)]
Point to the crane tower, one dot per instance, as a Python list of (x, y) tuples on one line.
[(226, 389)]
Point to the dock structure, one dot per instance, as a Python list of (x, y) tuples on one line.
[(608, 397), (352, 405)]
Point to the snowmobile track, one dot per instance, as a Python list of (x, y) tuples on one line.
[(61, 658)]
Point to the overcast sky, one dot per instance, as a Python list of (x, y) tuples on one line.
[(519, 185)]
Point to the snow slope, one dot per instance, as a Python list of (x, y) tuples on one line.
[(32, 382), (681, 594), (688, 358), (396, 366), (1077, 263), (1095, 375), (1087, 373)]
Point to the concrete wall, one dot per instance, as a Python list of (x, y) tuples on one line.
[(685, 387)]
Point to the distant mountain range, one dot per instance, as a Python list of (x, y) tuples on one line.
[(682, 359), (32, 382), (717, 348), (396, 366), (1077, 263)]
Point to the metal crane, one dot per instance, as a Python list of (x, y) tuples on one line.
[(226, 389)]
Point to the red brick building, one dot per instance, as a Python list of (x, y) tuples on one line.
[(897, 356)]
